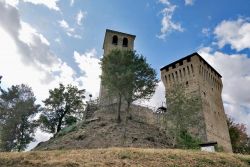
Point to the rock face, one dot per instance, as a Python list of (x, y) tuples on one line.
[(102, 131)]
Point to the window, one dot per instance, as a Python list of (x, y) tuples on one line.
[(181, 63), (125, 42), (188, 59), (115, 40)]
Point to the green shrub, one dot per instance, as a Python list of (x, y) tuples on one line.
[(187, 141)]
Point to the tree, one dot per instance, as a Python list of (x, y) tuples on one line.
[(61, 108), (126, 74), (239, 138), (17, 108), (141, 82), (183, 112)]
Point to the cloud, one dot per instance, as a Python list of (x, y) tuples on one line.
[(65, 26), (167, 24), (13, 3), (32, 46), (51, 4), (72, 2), (235, 72), (189, 2), (236, 33), (80, 17), (89, 64), (69, 30), (205, 31)]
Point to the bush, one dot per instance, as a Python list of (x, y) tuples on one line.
[(187, 141), (66, 130)]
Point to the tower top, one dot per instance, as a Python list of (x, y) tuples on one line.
[(188, 57), (110, 32)]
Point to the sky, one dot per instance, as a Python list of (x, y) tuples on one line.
[(47, 42)]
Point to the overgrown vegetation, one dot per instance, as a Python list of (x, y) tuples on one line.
[(239, 139), (183, 114)]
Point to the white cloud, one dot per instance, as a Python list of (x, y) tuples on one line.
[(58, 40), (167, 24), (235, 72), (51, 4), (72, 2), (69, 30), (89, 64), (27, 34), (65, 26), (80, 17), (13, 3), (189, 2), (166, 2), (235, 33), (205, 31)]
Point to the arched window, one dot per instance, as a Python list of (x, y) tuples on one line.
[(115, 40), (125, 42)]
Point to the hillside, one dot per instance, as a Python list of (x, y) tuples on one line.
[(102, 131), (122, 157)]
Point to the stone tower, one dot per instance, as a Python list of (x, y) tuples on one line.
[(198, 76), (114, 40)]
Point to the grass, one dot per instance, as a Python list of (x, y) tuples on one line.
[(122, 157)]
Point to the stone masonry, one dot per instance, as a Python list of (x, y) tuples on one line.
[(198, 76)]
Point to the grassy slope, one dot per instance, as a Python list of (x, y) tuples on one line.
[(122, 157)]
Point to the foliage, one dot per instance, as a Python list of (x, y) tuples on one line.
[(183, 112), (67, 130), (61, 108), (17, 107), (187, 141), (239, 138), (127, 74)]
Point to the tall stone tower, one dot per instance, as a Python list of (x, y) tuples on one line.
[(198, 76), (114, 40)]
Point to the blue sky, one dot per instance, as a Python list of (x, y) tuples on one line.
[(45, 42)]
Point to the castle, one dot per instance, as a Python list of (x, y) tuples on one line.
[(196, 74)]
